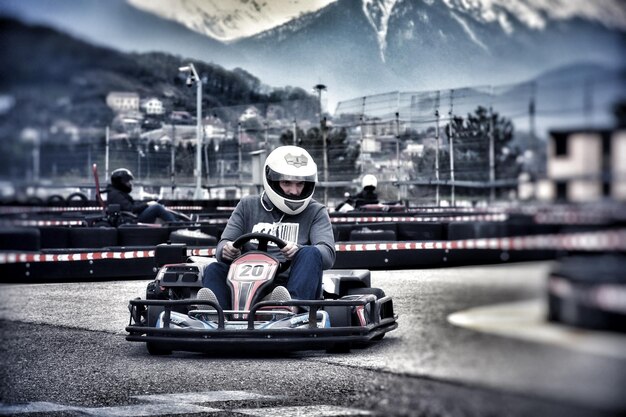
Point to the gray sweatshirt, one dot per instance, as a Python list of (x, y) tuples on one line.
[(312, 227)]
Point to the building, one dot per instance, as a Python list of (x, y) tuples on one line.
[(585, 166), (153, 106), (249, 113), (122, 102), (214, 129)]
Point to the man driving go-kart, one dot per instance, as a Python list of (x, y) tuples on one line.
[(285, 209), (270, 285)]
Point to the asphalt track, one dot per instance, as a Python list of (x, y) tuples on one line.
[(472, 341)]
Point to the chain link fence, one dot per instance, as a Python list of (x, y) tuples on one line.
[(424, 147)]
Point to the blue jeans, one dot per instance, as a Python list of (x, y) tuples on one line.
[(304, 282), (155, 211)]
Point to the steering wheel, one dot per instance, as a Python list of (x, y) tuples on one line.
[(263, 239)]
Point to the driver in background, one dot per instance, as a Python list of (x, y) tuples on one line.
[(118, 192), (368, 194), (285, 209)]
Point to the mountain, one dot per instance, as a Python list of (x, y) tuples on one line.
[(117, 24), (52, 76), (359, 47), (428, 45), (230, 20)]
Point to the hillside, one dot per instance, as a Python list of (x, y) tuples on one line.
[(52, 76)]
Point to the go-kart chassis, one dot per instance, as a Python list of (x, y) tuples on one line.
[(381, 319)]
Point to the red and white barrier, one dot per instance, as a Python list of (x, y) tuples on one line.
[(607, 240), (417, 219)]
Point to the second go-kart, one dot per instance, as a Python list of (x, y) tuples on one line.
[(172, 317)]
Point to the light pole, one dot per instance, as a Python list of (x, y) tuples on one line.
[(398, 152), (193, 78), (319, 88), (265, 140), (239, 152), (32, 136)]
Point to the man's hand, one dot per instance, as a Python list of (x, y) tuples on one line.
[(229, 252), (290, 250)]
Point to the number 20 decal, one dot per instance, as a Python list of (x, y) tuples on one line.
[(251, 270)]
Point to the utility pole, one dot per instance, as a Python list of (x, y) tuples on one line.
[(239, 133), (361, 149), (492, 162), (451, 134), (319, 88), (106, 152), (398, 152), (530, 166), (192, 77), (437, 155), (173, 159), (295, 133), (265, 137)]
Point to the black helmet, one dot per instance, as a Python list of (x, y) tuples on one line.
[(120, 179)]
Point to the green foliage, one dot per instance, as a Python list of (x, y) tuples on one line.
[(342, 157), (45, 68), (471, 138)]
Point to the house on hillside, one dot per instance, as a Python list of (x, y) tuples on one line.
[(121, 102), (64, 129), (152, 106), (182, 117), (214, 129), (249, 113)]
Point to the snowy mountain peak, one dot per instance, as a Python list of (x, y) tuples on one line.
[(378, 13), (535, 14), (232, 19), (236, 19)]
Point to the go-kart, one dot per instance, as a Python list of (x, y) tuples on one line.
[(350, 315)]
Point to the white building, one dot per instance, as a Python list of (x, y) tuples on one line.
[(250, 113), (152, 106), (585, 166), (123, 101)]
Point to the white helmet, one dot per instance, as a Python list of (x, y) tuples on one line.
[(289, 163), (369, 181)]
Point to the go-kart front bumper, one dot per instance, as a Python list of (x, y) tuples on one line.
[(342, 334)]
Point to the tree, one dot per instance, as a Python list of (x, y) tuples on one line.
[(471, 138), (342, 157)]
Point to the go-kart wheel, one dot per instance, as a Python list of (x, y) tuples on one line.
[(153, 314), (365, 290), (343, 347), (339, 316), (157, 350)]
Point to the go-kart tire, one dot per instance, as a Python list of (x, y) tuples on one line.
[(77, 197), (20, 238), (373, 236), (92, 237), (192, 238), (361, 291), (55, 200), (339, 316), (343, 347), (153, 314), (364, 291), (157, 350), (154, 348)]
